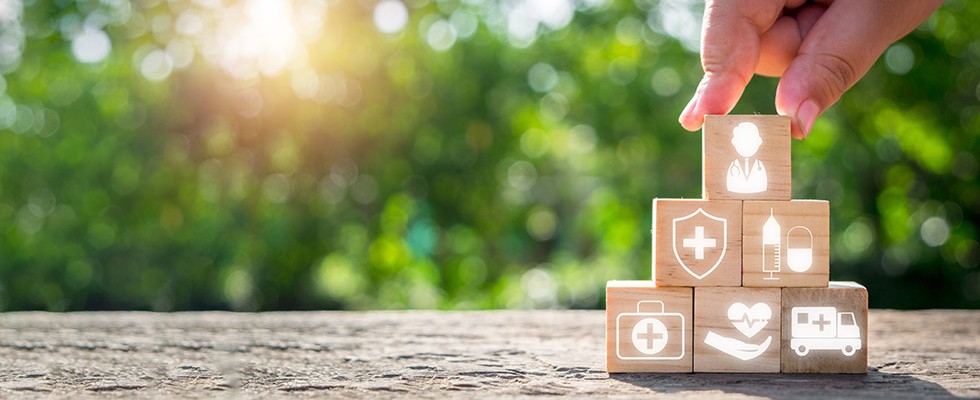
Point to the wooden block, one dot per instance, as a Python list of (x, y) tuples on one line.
[(786, 243), (697, 243), (825, 330), (736, 329), (648, 328), (746, 157)]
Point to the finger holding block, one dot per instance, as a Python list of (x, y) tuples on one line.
[(746, 157), (697, 242), (786, 243), (648, 329), (736, 329), (825, 330)]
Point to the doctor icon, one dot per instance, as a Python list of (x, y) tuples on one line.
[(747, 175)]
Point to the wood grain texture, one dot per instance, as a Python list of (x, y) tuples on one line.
[(628, 306), (800, 225), (720, 159), (432, 354), (721, 264), (711, 314), (840, 297)]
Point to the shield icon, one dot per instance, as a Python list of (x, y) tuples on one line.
[(696, 242)]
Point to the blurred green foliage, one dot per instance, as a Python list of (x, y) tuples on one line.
[(261, 155)]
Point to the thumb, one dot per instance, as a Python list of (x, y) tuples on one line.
[(730, 43), (839, 49)]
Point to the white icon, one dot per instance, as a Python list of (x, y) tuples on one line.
[(749, 321), (743, 176), (701, 266), (771, 257), (798, 258), (649, 335), (823, 328), (699, 243)]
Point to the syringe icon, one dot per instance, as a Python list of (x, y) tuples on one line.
[(771, 260)]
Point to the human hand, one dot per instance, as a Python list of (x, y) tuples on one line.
[(819, 49)]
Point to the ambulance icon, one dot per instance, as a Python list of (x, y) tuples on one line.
[(823, 328)]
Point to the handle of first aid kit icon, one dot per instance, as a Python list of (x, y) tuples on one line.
[(639, 306)]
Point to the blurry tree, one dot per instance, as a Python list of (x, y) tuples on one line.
[(305, 154)]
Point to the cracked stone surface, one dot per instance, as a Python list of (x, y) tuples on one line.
[(433, 355)]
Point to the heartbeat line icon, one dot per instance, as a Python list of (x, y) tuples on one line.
[(749, 322)]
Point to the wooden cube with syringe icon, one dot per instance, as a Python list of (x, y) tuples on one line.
[(786, 243)]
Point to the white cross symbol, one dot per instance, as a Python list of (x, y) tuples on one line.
[(699, 242)]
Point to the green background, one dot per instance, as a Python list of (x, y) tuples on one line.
[(483, 155)]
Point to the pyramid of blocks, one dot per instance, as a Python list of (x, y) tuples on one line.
[(741, 276)]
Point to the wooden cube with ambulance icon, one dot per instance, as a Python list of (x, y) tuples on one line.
[(825, 330)]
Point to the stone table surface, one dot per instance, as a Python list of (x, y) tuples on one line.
[(431, 354)]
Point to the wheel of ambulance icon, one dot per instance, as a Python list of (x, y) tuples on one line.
[(802, 350), (848, 350)]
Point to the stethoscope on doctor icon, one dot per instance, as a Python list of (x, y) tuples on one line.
[(798, 258)]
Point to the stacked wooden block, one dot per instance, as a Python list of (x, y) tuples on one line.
[(741, 277)]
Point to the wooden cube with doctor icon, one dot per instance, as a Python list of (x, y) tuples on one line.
[(746, 157), (786, 243)]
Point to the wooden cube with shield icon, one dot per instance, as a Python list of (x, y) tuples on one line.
[(697, 242)]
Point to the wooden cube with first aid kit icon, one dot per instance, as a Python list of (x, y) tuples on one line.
[(648, 328), (786, 243), (825, 330), (697, 242), (746, 157), (736, 329)]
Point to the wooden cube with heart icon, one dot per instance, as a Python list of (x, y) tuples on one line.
[(697, 242), (825, 330), (736, 329)]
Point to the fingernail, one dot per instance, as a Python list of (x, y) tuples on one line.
[(689, 109), (806, 115)]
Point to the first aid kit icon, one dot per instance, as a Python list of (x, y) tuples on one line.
[(650, 335)]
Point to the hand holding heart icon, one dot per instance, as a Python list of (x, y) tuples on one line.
[(749, 321)]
